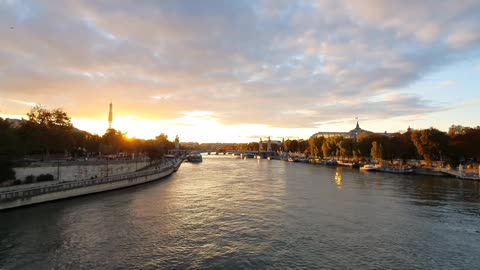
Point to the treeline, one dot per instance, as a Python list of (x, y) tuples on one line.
[(460, 144), (48, 134)]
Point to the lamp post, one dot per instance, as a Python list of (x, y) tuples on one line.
[(58, 170)]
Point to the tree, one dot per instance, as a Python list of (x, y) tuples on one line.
[(84, 140), (8, 150), (356, 155), (44, 117), (465, 144), (430, 143), (9, 141), (47, 130), (402, 146), (291, 146), (275, 147), (252, 146), (346, 147), (315, 144), (377, 151), (365, 140), (456, 130), (302, 146), (330, 146), (112, 142), (158, 147)]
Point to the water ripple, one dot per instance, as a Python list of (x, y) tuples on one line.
[(228, 213)]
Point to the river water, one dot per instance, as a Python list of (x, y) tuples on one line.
[(227, 213)]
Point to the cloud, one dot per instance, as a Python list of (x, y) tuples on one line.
[(21, 102), (447, 83), (278, 63), (164, 97)]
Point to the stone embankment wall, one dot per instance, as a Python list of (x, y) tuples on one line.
[(39, 194), (80, 170)]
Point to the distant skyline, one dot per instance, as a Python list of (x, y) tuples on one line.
[(235, 71)]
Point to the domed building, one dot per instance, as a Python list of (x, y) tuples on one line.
[(353, 134)]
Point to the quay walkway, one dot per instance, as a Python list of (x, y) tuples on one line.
[(85, 186), (462, 175)]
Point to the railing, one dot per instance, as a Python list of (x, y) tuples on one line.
[(34, 191), (93, 161)]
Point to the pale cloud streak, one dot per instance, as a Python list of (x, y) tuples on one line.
[(21, 102)]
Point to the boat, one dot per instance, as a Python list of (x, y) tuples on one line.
[(331, 162), (247, 155), (303, 160), (368, 167), (292, 159), (345, 164), (395, 170), (356, 165), (194, 157)]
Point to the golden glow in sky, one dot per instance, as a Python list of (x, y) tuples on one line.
[(241, 70), (196, 126)]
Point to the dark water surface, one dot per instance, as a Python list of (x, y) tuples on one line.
[(227, 213)]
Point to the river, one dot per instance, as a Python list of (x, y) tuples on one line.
[(227, 213)]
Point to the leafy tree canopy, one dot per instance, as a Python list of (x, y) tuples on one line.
[(49, 118)]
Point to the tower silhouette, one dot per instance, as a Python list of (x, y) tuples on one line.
[(110, 117)]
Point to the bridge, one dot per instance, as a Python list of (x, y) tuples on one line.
[(223, 152)]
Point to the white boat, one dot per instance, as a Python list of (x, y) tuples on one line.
[(345, 164), (368, 167)]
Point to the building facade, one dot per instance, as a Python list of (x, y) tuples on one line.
[(353, 134)]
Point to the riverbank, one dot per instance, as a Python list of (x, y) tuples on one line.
[(466, 174), (22, 196)]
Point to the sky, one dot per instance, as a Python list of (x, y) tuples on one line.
[(237, 71)]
